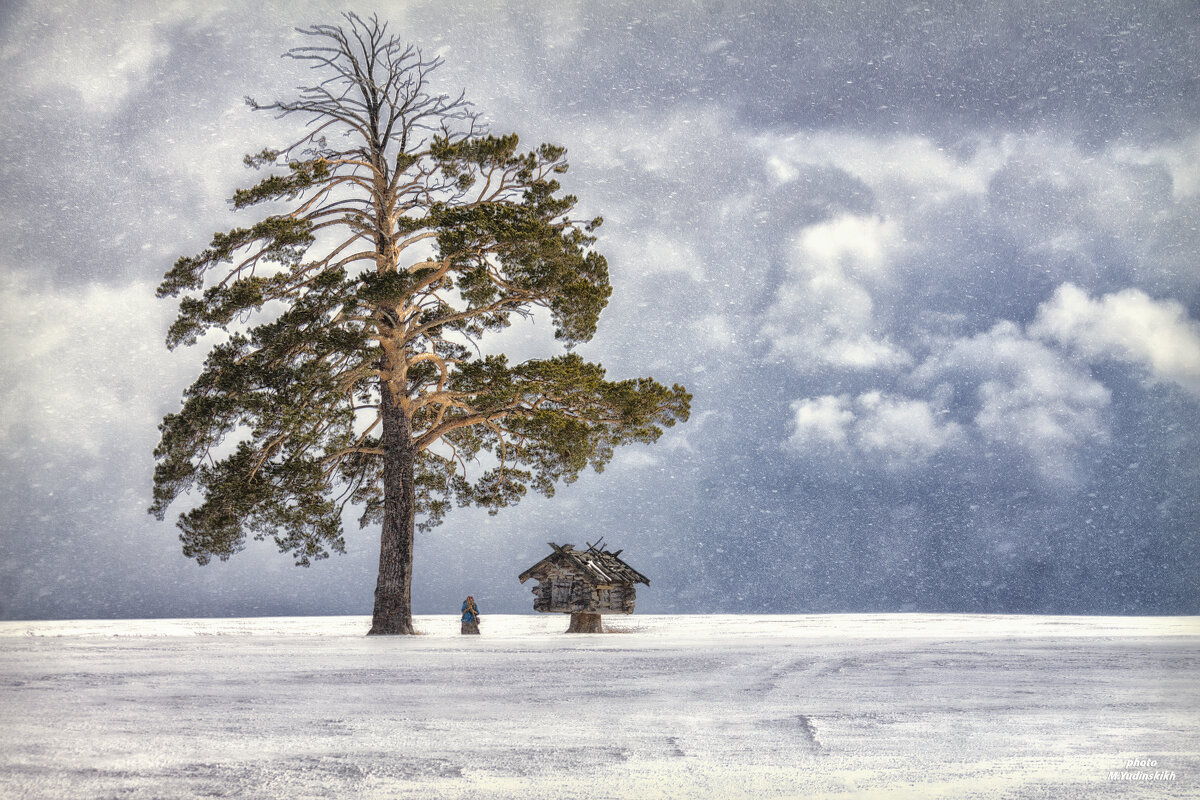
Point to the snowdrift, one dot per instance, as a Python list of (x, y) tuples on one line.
[(664, 707)]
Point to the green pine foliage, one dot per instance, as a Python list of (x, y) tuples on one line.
[(409, 234)]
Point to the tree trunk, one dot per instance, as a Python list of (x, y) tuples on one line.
[(393, 590), (583, 622)]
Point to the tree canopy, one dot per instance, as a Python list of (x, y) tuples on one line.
[(398, 233)]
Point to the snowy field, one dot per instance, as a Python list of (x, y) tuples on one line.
[(920, 706)]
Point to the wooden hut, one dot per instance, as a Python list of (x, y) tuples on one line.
[(584, 584)]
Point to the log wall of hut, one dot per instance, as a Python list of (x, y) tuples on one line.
[(561, 589)]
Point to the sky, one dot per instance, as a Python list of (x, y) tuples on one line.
[(929, 270)]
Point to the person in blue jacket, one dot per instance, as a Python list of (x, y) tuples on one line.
[(470, 616)]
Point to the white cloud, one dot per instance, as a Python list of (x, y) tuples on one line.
[(860, 244), (897, 431), (691, 137), (781, 170), (1129, 326), (83, 367), (525, 338), (562, 24), (636, 459), (716, 331), (1017, 396), (822, 419), (897, 165), (1053, 193), (1030, 400), (902, 429), (680, 437), (1182, 162), (63, 46), (824, 313), (663, 253)]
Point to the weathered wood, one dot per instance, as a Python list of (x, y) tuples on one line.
[(587, 582), (582, 622), (599, 565)]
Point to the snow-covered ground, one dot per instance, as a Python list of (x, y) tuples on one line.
[(912, 705)]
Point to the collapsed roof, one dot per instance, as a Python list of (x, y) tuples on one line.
[(599, 565)]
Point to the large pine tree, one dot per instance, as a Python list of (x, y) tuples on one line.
[(401, 233)]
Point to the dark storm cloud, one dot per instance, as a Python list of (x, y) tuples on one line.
[(111, 124), (1099, 69), (929, 272)]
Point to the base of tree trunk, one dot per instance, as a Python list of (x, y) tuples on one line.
[(583, 622), (397, 627)]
